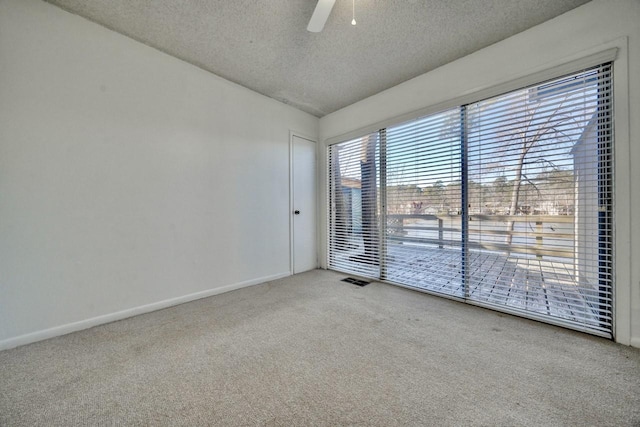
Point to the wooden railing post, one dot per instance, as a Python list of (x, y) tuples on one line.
[(539, 238), (440, 233)]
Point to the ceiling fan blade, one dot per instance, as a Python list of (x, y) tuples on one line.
[(320, 15)]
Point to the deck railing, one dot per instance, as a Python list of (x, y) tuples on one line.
[(489, 232)]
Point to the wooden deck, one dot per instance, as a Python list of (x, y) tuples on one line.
[(530, 284)]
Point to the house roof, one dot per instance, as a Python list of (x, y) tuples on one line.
[(350, 182), (587, 132)]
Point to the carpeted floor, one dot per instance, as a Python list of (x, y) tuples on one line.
[(312, 350)]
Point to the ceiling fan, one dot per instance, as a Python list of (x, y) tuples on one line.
[(320, 15)]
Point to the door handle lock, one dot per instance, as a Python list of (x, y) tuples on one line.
[(297, 212)]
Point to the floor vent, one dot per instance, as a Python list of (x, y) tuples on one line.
[(356, 281)]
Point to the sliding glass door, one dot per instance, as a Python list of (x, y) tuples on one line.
[(506, 202), (537, 191), (354, 244), (423, 203)]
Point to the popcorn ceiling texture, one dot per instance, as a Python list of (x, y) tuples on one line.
[(264, 45)]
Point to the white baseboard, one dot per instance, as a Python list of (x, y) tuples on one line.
[(130, 312), (635, 342)]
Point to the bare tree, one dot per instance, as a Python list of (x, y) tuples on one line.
[(531, 129), (537, 123)]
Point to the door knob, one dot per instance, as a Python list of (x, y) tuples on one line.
[(296, 212)]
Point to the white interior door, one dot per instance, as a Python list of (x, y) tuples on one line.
[(303, 198)]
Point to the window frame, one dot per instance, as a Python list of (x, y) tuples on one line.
[(478, 96)]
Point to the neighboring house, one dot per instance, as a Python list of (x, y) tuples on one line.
[(352, 192), (585, 164)]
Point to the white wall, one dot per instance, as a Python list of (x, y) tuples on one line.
[(129, 180), (586, 30)]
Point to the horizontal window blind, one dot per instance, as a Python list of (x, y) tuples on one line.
[(538, 160), (354, 210), (424, 205), (506, 202)]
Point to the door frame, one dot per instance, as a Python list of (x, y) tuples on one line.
[(301, 135)]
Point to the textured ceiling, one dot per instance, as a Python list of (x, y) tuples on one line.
[(264, 45)]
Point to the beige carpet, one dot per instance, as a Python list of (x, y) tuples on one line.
[(311, 350)]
